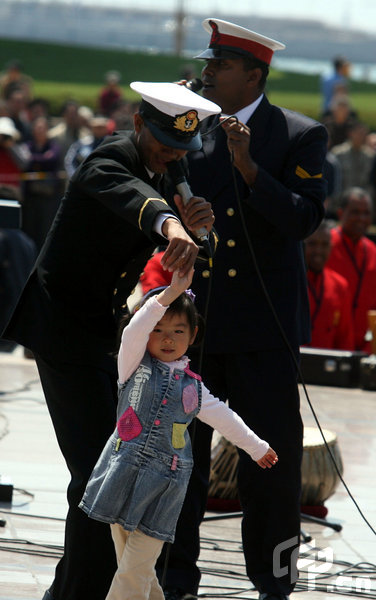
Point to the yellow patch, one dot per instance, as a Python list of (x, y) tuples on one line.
[(300, 172), (178, 431), (187, 122)]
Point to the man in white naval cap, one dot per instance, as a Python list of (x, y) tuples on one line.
[(277, 157), (110, 220)]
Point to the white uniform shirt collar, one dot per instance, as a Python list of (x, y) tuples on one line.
[(244, 114)]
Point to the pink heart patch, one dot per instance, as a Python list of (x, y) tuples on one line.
[(129, 425), (190, 398)]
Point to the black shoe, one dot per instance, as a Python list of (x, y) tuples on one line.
[(47, 595), (271, 596), (178, 594)]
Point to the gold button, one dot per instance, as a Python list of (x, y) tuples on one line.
[(115, 291), (133, 291), (123, 274), (124, 306), (231, 243), (206, 273), (231, 272), (230, 212)]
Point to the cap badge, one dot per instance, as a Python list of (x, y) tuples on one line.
[(187, 121), (216, 36)]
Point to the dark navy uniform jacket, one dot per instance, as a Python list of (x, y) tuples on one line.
[(284, 206), (99, 242)]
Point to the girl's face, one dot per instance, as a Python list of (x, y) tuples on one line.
[(171, 337)]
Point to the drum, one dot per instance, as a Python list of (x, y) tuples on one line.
[(223, 469), (319, 475)]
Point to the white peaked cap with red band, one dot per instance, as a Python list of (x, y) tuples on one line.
[(173, 113), (229, 40)]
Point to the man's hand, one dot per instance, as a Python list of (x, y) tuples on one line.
[(196, 214), (181, 251), (238, 138)]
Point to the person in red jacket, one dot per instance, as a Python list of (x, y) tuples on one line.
[(329, 295), (154, 275), (353, 256), (110, 94)]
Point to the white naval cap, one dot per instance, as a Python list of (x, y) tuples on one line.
[(7, 128), (229, 40), (173, 113)]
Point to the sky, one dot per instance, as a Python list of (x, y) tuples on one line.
[(346, 14)]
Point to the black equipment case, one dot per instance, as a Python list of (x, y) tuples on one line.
[(340, 368), (10, 214), (368, 372)]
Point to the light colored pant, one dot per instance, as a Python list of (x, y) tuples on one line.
[(135, 578)]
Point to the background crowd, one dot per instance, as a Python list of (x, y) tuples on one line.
[(39, 152)]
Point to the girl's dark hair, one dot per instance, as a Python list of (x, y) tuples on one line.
[(181, 305)]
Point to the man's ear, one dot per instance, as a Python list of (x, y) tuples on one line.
[(138, 122), (254, 76)]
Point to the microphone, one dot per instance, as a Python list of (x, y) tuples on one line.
[(194, 85), (176, 172)]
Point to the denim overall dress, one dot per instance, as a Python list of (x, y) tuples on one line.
[(141, 477)]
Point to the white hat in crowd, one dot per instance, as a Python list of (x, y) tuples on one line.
[(173, 113), (8, 128), (230, 41)]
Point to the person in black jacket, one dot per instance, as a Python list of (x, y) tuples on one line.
[(110, 220), (277, 156)]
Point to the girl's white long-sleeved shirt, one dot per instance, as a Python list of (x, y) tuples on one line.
[(213, 411)]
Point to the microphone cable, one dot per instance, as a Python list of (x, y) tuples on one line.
[(284, 337), (283, 334), (279, 324), (209, 253)]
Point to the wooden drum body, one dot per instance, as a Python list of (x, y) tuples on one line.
[(223, 470), (319, 475)]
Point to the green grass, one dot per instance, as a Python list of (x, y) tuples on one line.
[(61, 72), (78, 64), (301, 93)]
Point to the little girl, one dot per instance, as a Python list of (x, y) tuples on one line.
[(140, 480)]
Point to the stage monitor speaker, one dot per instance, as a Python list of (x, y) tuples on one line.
[(340, 368)]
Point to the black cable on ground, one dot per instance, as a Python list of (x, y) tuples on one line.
[(24, 388), (325, 582), (30, 516)]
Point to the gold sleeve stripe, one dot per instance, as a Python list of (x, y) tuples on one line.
[(145, 205), (300, 172)]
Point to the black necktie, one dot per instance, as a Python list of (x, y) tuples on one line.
[(156, 181)]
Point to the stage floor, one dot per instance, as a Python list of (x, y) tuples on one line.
[(32, 537)]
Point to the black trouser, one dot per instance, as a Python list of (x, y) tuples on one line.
[(261, 387), (82, 403)]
